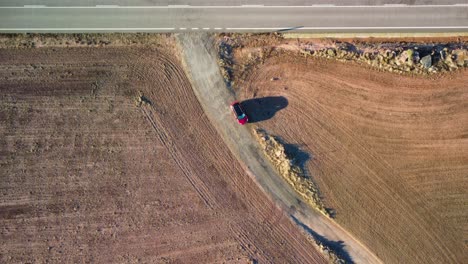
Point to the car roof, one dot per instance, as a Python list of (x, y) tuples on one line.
[(237, 109)]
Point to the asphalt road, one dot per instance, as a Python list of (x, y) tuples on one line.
[(446, 18), (225, 2)]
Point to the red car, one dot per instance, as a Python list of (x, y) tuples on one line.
[(239, 113)]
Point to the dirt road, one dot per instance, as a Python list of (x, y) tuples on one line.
[(200, 57)]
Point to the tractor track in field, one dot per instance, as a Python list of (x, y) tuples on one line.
[(172, 149), (88, 176), (388, 151), (243, 227)]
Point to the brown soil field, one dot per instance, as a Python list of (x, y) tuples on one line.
[(388, 152), (88, 176)]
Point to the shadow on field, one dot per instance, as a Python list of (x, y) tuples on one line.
[(297, 155), (336, 246), (300, 158), (264, 108)]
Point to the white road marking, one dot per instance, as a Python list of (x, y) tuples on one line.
[(107, 6), (269, 28), (182, 28), (224, 7), (306, 28), (81, 29), (206, 28)]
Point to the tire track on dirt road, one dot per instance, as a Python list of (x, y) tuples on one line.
[(200, 58)]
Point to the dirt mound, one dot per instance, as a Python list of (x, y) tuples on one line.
[(408, 58), (289, 170), (421, 58)]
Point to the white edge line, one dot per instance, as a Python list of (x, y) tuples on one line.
[(270, 28), (305, 28), (223, 7), (72, 29)]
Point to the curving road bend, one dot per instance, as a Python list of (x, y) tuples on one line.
[(200, 59)]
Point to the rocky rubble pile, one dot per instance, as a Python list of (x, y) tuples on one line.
[(228, 42), (418, 59), (225, 60), (290, 171)]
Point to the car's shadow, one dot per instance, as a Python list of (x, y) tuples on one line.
[(263, 108)]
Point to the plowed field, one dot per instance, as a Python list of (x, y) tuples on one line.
[(388, 152), (88, 176)]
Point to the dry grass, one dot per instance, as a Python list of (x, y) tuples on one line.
[(289, 170), (33, 40), (402, 58)]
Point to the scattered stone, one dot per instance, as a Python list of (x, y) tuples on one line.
[(461, 57), (410, 54), (383, 56), (426, 61), (140, 100), (443, 54)]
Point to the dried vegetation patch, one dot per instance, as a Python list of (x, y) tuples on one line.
[(293, 174), (34, 40), (241, 53)]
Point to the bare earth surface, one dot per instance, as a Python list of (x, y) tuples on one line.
[(388, 152), (88, 176), (200, 58)]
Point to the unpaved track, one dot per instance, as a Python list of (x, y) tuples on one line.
[(199, 55)]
